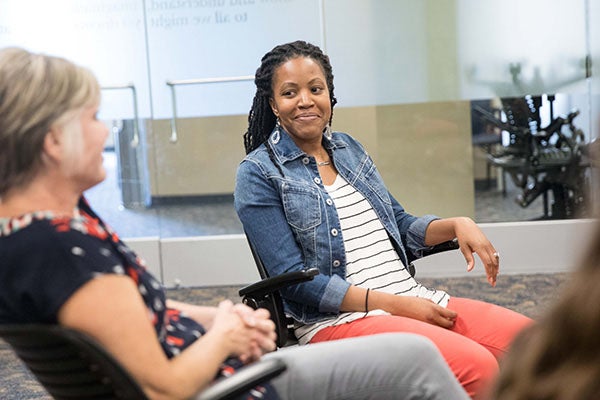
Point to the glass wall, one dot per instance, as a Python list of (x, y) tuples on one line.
[(455, 99)]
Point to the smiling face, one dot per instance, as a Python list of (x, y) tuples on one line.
[(301, 100)]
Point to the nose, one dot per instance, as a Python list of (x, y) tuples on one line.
[(305, 98)]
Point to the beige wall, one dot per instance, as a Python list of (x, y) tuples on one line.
[(422, 150), (425, 156), (204, 159)]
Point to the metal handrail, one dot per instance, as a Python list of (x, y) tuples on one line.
[(136, 136), (173, 83)]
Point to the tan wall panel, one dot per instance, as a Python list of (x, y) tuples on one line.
[(422, 150), (208, 151), (425, 156), (361, 123), (204, 158)]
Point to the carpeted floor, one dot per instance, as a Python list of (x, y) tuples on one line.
[(528, 294)]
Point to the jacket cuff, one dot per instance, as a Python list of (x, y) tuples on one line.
[(416, 234), (335, 291)]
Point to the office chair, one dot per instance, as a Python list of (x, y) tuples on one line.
[(265, 293), (71, 365), (543, 160)]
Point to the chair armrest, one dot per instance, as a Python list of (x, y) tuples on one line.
[(439, 248), (243, 380), (275, 283)]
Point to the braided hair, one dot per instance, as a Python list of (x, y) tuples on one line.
[(261, 119)]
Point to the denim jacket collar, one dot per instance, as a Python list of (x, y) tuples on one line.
[(285, 149)]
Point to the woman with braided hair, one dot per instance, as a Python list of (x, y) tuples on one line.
[(309, 197)]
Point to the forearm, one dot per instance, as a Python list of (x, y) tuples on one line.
[(441, 230), (405, 306), (204, 315), (184, 378), (356, 300)]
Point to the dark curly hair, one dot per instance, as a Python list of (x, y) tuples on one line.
[(261, 119)]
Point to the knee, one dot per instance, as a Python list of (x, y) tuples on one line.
[(411, 353), (476, 372), (407, 345)]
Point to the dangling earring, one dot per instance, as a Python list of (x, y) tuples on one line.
[(276, 135), (327, 132)]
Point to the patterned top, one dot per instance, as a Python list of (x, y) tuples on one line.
[(371, 260), (45, 258)]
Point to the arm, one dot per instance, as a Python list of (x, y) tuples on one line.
[(202, 314), (120, 323), (405, 306), (417, 233), (470, 239)]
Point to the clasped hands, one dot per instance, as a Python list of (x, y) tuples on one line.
[(249, 332)]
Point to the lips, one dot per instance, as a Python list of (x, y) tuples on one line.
[(307, 117)]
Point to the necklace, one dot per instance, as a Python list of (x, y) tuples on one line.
[(323, 163)]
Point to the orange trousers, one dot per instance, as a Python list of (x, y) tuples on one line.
[(481, 335)]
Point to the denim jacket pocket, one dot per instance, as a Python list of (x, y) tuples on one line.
[(301, 204)]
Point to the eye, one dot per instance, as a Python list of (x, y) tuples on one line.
[(317, 89)]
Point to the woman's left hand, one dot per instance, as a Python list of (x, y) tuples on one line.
[(472, 240)]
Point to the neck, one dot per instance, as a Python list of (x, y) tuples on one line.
[(38, 195), (317, 151)]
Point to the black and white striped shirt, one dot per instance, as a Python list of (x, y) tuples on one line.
[(371, 260)]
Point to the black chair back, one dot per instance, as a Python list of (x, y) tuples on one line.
[(69, 364)]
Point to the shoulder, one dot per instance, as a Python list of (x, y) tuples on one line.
[(341, 140), (49, 243), (257, 162), (29, 236)]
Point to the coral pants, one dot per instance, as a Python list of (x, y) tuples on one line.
[(481, 335)]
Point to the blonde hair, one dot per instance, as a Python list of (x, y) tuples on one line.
[(37, 92)]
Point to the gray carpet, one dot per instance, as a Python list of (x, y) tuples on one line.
[(528, 294)]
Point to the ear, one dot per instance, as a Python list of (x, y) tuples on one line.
[(273, 107), (53, 144)]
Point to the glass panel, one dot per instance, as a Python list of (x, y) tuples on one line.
[(407, 83), (530, 73), (217, 39), (594, 105)]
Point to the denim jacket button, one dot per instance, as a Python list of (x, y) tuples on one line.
[(317, 181), (305, 160), (336, 263), (329, 202), (334, 232)]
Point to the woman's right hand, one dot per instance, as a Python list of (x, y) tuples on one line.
[(423, 310)]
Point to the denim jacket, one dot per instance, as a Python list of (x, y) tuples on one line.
[(293, 224)]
